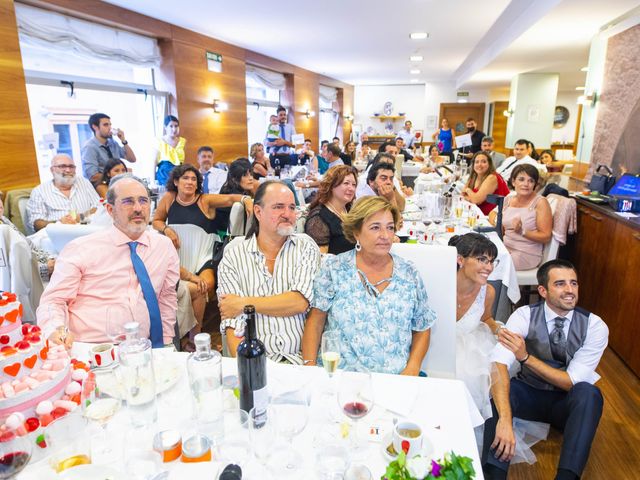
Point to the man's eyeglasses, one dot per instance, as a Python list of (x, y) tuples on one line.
[(65, 167), (488, 261)]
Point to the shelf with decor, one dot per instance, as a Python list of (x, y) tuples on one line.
[(388, 117)]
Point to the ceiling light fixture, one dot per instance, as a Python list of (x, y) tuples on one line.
[(310, 113), (580, 89), (416, 58), (414, 71), (419, 35), (348, 118)]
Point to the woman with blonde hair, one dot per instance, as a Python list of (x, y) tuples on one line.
[(374, 300)]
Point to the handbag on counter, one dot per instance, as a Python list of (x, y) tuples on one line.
[(602, 183)]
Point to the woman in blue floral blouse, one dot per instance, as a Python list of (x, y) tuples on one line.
[(375, 300)]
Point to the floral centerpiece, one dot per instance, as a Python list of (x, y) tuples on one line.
[(450, 467)]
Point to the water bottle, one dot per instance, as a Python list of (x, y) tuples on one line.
[(204, 368), (137, 376), (463, 167)]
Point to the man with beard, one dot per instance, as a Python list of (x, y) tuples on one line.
[(62, 199), (476, 139), (101, 148), (123, 265), (273, 269), (558, 347), (212, 178)]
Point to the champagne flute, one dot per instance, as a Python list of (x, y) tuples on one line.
[(355, 397), (118, 315), (330, 347), (101, 403)]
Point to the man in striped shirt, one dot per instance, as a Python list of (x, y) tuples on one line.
[(273, 269), (65, 198)]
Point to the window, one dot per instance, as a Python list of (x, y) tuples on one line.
[(264, 94), (328, 118)]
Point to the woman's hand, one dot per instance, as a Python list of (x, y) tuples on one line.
[(173, 236), (410, 371), (202, 284), (517, 224)]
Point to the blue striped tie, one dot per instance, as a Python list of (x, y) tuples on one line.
[(150, 298), (205, 182)]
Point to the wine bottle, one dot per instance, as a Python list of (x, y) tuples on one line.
[(252, 366)]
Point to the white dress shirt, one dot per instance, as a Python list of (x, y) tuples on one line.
[(216, 179), (408, 137), (510, 163), (48, 203), (582, 367)]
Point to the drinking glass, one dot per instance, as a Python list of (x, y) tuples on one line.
[(235, 446), (69, 441), (355, 397), (118, 315), (290, 414), (14, 456), (263, 433), (330, 348), (101, 403)]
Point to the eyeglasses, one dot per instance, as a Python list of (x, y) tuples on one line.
[(488, 261), (65, 167), (129, 202)]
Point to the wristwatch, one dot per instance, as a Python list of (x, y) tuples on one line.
[(124, 142)]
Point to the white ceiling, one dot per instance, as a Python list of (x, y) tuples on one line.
[(471, 43)]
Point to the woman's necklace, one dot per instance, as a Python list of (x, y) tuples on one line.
[(185, 203), (335, 211)]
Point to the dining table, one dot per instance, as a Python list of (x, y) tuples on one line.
[(443, 408)]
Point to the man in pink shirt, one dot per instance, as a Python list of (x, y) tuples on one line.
[(97, 271)]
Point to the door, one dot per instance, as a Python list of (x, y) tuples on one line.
[(457, 114)]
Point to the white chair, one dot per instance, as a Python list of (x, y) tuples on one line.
[(239, 223), (60, 234), (437, 266), (19, 271), (24, 214), (196, 246)]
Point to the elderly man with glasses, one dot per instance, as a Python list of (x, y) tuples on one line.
[(125, 266), (66, 199)]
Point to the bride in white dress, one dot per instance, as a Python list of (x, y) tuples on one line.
[(475, 327), (476, 332)]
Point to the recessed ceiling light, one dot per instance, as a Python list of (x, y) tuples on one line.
[(419, 35), (580, 89), (416, 58), (414, 71), (584, 69), (414, 80)]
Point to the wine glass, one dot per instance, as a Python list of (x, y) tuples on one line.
[(355, 397), (263, 432), (290, 414), (235, 447), (15, 454), (102, 402), (69, 441), (118, 315), (330, 348)]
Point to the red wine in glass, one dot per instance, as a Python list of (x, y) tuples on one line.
[(12, 463), (355, 410)]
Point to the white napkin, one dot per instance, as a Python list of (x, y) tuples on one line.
[(395, 394)]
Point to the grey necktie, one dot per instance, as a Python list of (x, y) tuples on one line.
[(558, 340)]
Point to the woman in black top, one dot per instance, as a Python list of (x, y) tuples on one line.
[(239, 181), (335, 196)]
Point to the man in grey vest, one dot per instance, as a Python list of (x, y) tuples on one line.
[(558, 346)]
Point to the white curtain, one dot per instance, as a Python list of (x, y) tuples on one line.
[(266, 78), (328, 94), (42, 28)]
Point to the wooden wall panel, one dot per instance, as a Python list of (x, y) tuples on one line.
[(305, 96), (499, 127), (196, 89), (17, 156)]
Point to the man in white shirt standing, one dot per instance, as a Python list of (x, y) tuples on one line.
[(273, 269), (212, 178), (65, 199), (520, 157), (558, 346)]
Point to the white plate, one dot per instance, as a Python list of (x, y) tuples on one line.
[(427, 447), (91, 472)]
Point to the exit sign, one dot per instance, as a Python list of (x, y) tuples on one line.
[(214, 62)]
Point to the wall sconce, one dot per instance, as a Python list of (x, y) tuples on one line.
[(348, 118), (508, 113), (310, 113), (219, 106)]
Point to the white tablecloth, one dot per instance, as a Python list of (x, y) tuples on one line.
[(442, 407)]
